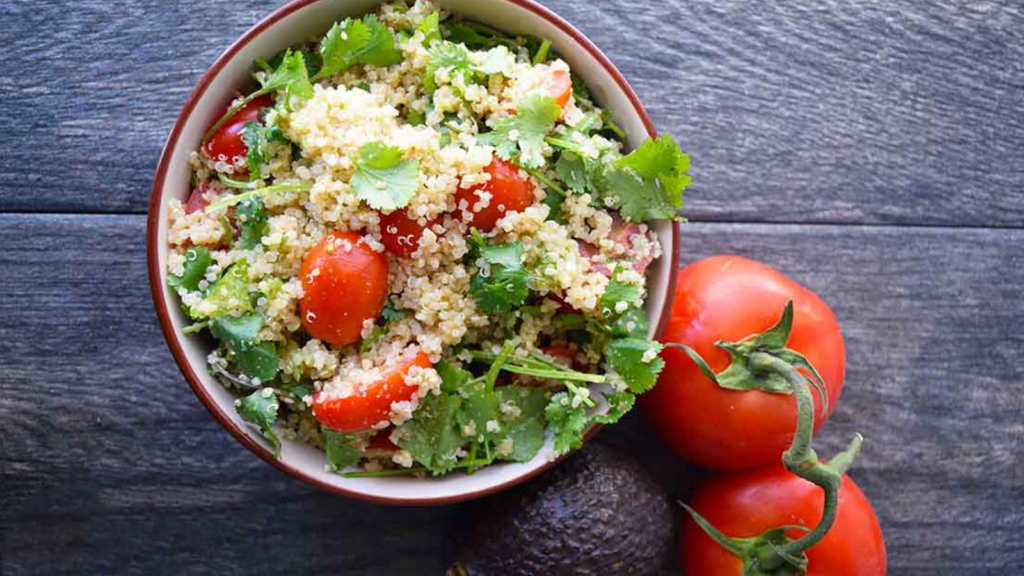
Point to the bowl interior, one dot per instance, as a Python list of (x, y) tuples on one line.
[(307, 19)]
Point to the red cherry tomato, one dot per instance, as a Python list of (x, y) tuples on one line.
[(344, 283), (559, 86), (401, 234), (749, 503), (368, 404), (196, 202), (509, 192), (226, 143), (729, 298), (382, 441)]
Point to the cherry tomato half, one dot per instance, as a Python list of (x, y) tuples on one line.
[(401, 234), (749, 503), (509, 192), (729, 298), (368, 404), (558, 85), (344, 283), (226, 143)]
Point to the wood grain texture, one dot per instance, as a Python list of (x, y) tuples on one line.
[(110, 464), (836, 111)]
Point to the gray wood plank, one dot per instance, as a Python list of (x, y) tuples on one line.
[(110, 465), (868, 112)]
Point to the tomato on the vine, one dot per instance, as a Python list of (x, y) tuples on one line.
[(729, 298), (746, 504), (344, 284)]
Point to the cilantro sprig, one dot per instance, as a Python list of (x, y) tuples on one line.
[(260, 408), (351, 42), (523, 133), (648, 183), (504, 287), (383, 179)]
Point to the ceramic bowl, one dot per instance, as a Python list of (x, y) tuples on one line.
[(289, 25)]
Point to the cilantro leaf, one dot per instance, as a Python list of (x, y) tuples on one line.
[(479, 408), (506, 287), (352, 42), (626, 356), (382, 179), (433, 437), (578, 172), (477, 35), (648, 183), (290, 77), (526, 428), (257, 138), (252, 216), (631, 324), (260, 408), (431, 28), (444, 55), (568, 424), (619, 403), (229, 294), (197, 260), (525, 130), (342, 450), (391, 314), (453, 378), (241, 335), (616, 292), (388, 314)]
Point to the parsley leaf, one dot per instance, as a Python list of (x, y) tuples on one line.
[(444, 55), (241, 335), (626, 356), (648, 183), (505, 288), (382, 179), (431, 28), (229, 294), (252, 216), (342, 450), (567, 423), (352, 42), (525, 130), (525, 429), (260, 408), (197, 260), (433, 437)]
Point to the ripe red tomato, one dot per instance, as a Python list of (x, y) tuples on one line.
[(401, 234), (226, 143), (368, 404), (509, 192), (345, 283), (749, 503), (729, 298), (559, 86)]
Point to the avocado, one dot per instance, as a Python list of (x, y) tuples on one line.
[(597, 513)]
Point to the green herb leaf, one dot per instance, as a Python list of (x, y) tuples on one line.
[(626, 357), (228, 295), (478, 408), (382, 179), (352, 42), (444, 55), (197, 260), (241, 335), (433, 437), (453, 378), (257, 139), (342, 450), (648, 183), (631, 324), (619, 403), (616, 292), (260, 408), (525, 429), (431, 28), (477, 36), (253, 219), (505, 288), (290, 77), (535, 116), (567, 423), (391, 314), (578, 172)]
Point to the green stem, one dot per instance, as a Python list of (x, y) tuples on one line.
[(547, 182), (411, 471), (542, 52), (232, 200), (564, 144), (802, 460)]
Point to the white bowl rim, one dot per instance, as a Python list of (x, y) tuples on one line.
[(154, 245)]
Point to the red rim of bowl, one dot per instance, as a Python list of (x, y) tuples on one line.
[(173, 338)]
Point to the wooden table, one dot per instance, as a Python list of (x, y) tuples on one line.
[(874, 151)]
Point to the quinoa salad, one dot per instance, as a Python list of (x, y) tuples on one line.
[(418, 244)]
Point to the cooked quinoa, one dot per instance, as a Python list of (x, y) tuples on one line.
[(504, 334)]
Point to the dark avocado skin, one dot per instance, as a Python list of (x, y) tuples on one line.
[(597, 513)]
